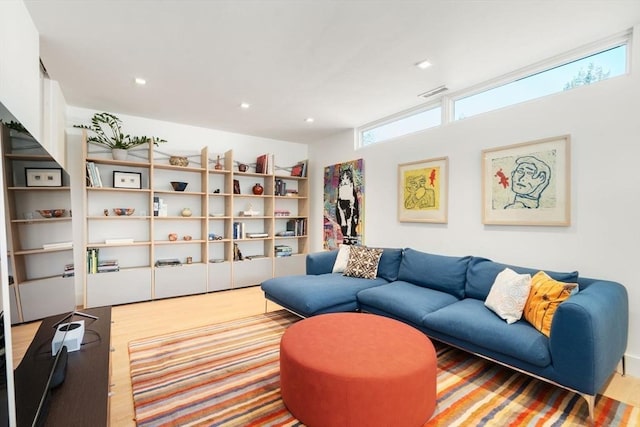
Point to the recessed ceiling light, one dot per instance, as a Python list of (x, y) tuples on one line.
[(140, 81), (309, 120), (245, 105), (423, 65)]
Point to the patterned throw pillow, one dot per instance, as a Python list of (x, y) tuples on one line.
[(545, 296), (508, 294), (363, 262)]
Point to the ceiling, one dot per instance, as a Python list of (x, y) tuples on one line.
[(344, 63)]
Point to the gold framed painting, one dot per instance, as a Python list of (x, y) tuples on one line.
[(423, 190), (527, 183)]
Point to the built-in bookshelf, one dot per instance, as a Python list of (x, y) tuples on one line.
[(218, 233), (39, 229)]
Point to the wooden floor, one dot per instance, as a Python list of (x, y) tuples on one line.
[(143, 320)]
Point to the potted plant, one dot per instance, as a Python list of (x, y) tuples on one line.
[(107, 131)]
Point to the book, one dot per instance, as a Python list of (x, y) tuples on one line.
[(261, 164), (257, 235)]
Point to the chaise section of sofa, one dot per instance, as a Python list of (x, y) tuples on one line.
[(321, 291)]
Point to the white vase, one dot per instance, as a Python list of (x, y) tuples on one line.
[(119, 154)]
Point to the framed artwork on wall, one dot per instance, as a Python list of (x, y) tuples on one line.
[(43, 177), (423, 190), (344, 204), (527, 183)]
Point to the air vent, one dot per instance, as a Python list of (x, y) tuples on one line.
[(432, 92)]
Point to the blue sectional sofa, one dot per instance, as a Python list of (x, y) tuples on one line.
[(443, 296)]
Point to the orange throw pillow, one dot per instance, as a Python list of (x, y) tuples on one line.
[(544, 298)]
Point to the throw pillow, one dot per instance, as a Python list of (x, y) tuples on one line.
[(508, 295), (544, 298), (363, 262), (341, 260)]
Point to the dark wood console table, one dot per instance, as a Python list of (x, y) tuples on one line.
[(83, 398)]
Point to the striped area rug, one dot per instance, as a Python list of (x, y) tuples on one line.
[(227, 375)]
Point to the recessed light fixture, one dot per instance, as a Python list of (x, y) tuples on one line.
[(423, 65), (309, 120), (140, 81), (245, 105)]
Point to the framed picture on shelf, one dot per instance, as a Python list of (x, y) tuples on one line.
[(527, 183), (127, 179), (423, 190), (43, 177), (236, 186)]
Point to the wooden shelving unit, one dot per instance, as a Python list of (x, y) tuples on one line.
[(206, 255), (39, 288)]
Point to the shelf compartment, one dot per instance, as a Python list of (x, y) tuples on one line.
[(179, 280), (119, 287), (46, 297)]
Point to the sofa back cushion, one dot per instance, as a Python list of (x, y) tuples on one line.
[(439, 272), (482, 272), (390, 264)]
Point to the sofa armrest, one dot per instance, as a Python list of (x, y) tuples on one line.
[(589, 335), (321, 262)]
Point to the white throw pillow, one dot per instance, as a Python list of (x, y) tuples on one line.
[(342, 259), (508, 295)]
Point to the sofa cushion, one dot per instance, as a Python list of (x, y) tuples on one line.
[(308, 295), (469, 320), (509, 294), (439, 272), (482, 272), (404, 300), (363, 262), (544, 298), (390, 263), (342, 259)]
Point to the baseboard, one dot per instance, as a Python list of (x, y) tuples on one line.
[(632, 366)]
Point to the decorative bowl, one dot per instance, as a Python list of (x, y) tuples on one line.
[(178, 161), (51, 213), (178, 185), (123, 211)]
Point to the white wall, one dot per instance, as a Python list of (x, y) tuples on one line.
[(20, 65), (187, 140), (602, 240)]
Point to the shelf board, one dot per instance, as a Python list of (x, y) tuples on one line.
[(219, 240), (111, 189), (179, 168), (38, 188), (253, 174), (177, 242), (32, 280), (113, 245), (118, 217), (105, 161), (41, 220), (291, 197), (290, 178), (185, 193), (174, 217), (252, 217), (290, 237), (219, 171), (40, 251), (34, 157)]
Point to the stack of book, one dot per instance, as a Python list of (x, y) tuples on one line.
[(282, 250), (92, 260), (300, 169), (298, 226), (264, 164), (238, 231), (280, 187), (69, 270), (93, 175), (108, 266)]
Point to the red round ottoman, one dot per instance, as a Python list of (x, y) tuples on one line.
[(354, 369)]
